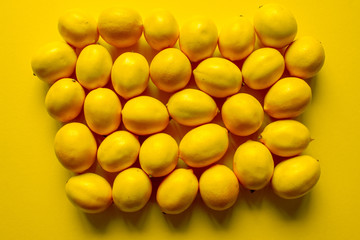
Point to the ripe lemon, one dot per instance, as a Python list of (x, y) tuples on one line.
[(118, 151), (130, 74), (218, 77), (262, 68), (75, 147), (144, 115), (53, 61), (253, 165), (89, 192), (237, 38), (93, 67), (78, 28), (192, 107), (275, 25), (287, 98), (131, 190), (64, 100), (177, 191), (120, 27), (102, 111), (170, 70), (242, 114), (304, 57), (219, 187), (161, 29), (204, 145), (286, 138), (295, 177), (198, 38)]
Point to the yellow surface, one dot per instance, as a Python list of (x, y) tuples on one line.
[(33, 204)]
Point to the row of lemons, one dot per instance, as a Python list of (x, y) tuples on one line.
[(80, 81)]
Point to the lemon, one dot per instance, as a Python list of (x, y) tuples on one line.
[(219, 187), (131, 190), (118, 151), (237, 38), (145, 115), (78, 28), (262, 68), (242, 114), (305, 57), (170, 70), (295, 177), (93, 67), (218, 77), (102, 111), (204, 145), (75, 147), (130, 74), (120, 27), (161, 29), (177, 191), (198, 38), (286, 138), (275, 25), (253, 165), (159, 155), (64, 100), (287, 98), (192, 107), (53, 61), (89, 192)]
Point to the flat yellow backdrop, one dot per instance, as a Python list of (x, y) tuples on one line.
[(33, 204)]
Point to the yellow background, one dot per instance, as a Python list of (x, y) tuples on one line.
[(33, 204)]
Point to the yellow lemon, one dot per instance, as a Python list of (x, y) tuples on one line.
[(287, 98), (64, 100), (177, 191), (286, 138), (120, 27), (102, 111), (93, 67), (118, 151), (295, 177), (78, 28), (219, 187), (198, 38), (145, 115), (75, 147), (218, 77), (275, 25), (237, 38), (130, 74), (253, 165), (242, 114), (204, 145), (161, 29), (170, 70), (262, 68), (131, 190), (192, 107), (89, 192), (53, 61), (305, 57)]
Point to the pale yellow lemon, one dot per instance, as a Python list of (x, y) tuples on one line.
[(53, 61), (170, 70), (118, 151), (75, 147), (102, 111), (130, 74), (64, 99)]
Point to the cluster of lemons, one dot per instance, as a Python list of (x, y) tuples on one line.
[(83, 77)]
